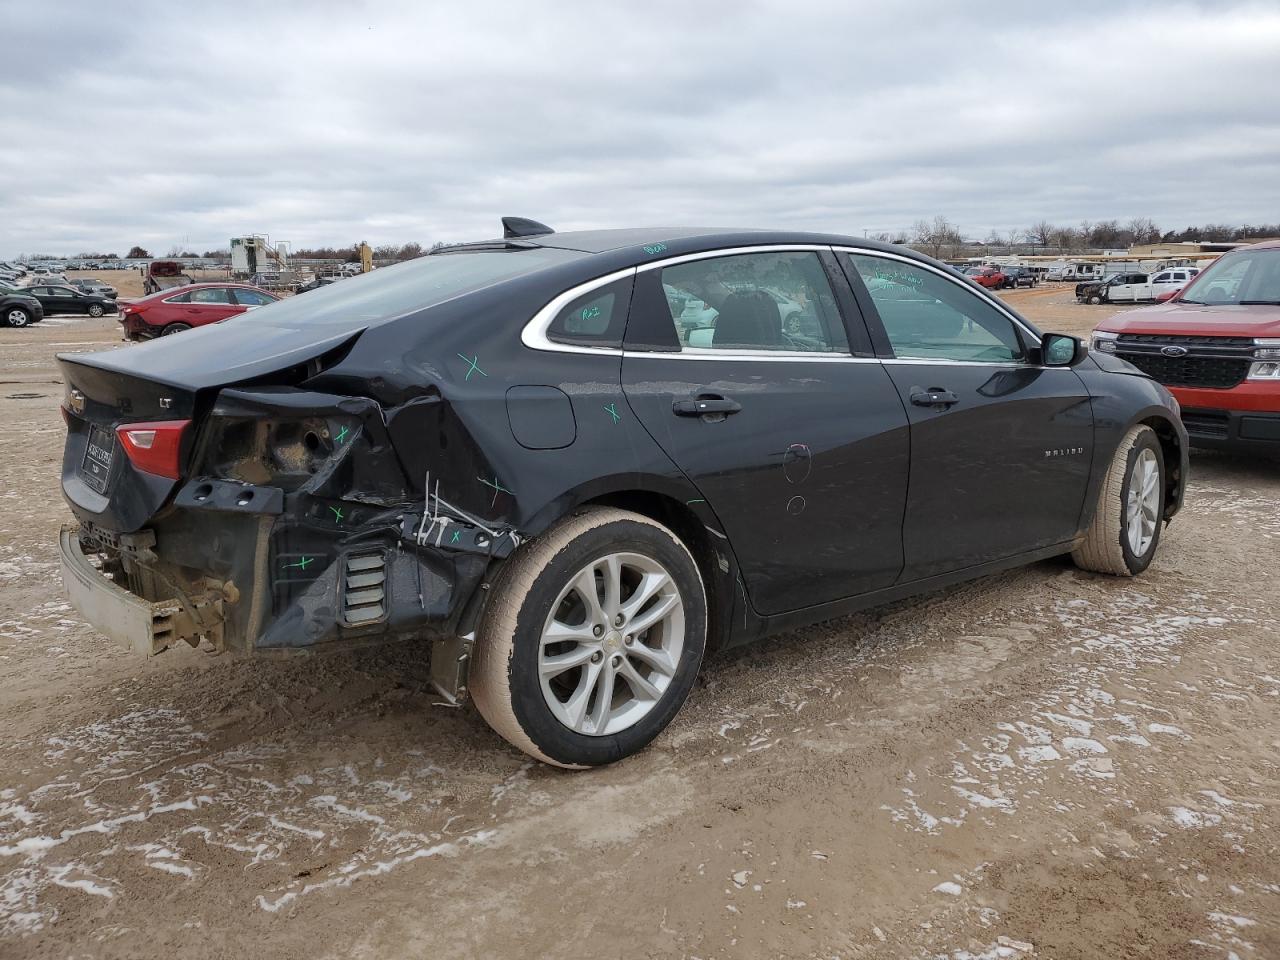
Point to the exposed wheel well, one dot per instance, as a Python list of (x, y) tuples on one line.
[(685, 524), (1172, 450)]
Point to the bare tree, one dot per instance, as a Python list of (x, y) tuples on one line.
[(936, 234), (1040, 233), (1144, 230), (1086, 233), (1064, 238)]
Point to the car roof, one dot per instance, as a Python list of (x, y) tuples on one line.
[(709, 238), (202, 285)]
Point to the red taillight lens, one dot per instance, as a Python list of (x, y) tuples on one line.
[(154, 447)]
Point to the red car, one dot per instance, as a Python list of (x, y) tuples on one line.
[(1216, 345), (988, 277), (172, 311)]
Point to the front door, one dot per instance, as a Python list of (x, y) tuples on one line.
[(1000, 447), (798, 447)]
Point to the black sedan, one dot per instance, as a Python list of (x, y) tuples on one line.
[(61, 298), (18, 308), (515, 452)]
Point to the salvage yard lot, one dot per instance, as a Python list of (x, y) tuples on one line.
[(1046, 763)]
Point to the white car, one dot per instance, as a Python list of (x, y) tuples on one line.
[(1171, 280)]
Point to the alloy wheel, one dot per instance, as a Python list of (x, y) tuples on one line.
[(17, 318), (611, 645), (1143, 502)]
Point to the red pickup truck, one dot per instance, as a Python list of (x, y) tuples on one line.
[(1216, 346)]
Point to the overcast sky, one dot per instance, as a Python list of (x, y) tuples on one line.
[(328, 123)]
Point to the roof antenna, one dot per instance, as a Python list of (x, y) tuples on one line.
[(523, 227)]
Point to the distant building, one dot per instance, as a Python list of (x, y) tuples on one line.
[(1186, 248)]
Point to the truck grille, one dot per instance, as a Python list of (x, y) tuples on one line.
[(1219, 362), (364, 592)]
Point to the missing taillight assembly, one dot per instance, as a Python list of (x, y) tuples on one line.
[(154, 447)]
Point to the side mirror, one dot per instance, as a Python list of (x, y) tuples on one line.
[(1061, 350)]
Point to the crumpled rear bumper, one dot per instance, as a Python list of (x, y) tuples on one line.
[(143, 626)]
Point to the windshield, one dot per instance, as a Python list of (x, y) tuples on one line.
[(1238, 278), (395, 291)]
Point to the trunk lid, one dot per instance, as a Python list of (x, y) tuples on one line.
[(166, 380)]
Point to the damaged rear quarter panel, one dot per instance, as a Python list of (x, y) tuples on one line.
[(338, 468)]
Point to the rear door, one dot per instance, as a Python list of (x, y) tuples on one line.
[(1000, 447), (797, 442), (210, 304)]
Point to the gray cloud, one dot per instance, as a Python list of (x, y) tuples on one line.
[(336, 122)]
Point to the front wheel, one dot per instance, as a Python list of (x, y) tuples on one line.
[(592, 640), (17, 317), (1125, 531), (1095, 299), (95, 310)]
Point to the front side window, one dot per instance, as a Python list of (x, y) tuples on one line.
[(929, 317), (252, 298), (210, 295), (754, 301)]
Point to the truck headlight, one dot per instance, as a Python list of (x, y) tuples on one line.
[(1269, 370), (1266, 348), (1104, 342)]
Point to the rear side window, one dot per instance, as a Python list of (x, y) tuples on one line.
[(180, 298), (595, 319), (754, 301)]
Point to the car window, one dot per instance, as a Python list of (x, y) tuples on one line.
[(927, 316), (1162, 278), (180, 298), (1251, 276), (210, 295), (251, 298), (594, 319), (754, 301)]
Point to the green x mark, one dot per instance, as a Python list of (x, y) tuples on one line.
[(301, 564), (475, 366), (337, 514), (342, 435), (612, 410), (457, 535), (497, 488)]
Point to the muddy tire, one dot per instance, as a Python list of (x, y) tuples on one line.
[(592, 639), (1125, 531), (175, 328), (1095, 299)]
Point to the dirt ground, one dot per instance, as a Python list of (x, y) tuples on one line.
[(1043, 764)]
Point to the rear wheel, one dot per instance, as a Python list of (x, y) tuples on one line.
[(95, 310), (1125, 531), (175, 328), (592, 640), (17, 317)]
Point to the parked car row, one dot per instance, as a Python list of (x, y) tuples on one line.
[(998, 278)]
